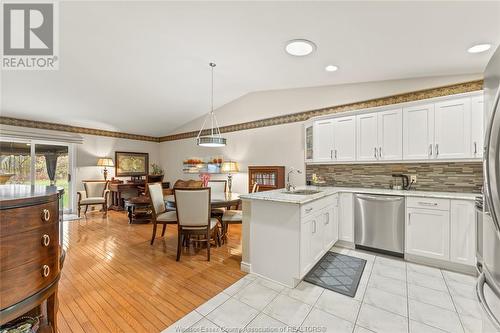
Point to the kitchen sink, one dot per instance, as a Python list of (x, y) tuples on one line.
[(302, 192)]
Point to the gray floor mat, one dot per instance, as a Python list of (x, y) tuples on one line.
[(337, 272)]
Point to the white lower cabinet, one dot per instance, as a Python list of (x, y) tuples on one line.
[(463, 229), (331, 227), (428, 233), (306, 261), (346, 217)]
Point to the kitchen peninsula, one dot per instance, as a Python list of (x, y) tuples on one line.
[(286, 233)]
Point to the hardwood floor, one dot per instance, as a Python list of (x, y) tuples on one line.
[(114, 281)]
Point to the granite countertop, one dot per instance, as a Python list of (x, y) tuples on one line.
[(280, 196)]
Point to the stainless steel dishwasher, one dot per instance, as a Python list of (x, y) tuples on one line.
[(379, 223)]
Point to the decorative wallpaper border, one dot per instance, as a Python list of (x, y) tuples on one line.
[(453, 89), (74, 129)]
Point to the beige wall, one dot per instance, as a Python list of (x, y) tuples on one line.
[(282, 144)]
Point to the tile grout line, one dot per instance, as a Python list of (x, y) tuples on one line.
[(407, 298), (364, 293), (452, 301)]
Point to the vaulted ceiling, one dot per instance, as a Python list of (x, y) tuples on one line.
[(142, 67)]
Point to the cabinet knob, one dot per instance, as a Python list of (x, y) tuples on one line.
[(45, 240), (45, 271), (45, 215)]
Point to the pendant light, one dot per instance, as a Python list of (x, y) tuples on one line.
[(214, 138)]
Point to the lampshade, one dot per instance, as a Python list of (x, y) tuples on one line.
[(105, 162), (229, 167)]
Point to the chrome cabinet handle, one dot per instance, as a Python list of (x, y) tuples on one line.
[(45, 215), (375, 152), (314, 226), (380, 152), (331, 154), (45, 271), (437, 150), (475, 148), (308, 210), (335, 153), (327, 219), (430, 149), (427, 203), (409, 218), (45, 240)]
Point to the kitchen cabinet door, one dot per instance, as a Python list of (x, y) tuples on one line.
[(317, 234), (346, 217), (367, 137), (428, 233), (477, 127), (463, 232), (390, 135), (306, 260), (308, 143), (330, 235), (344, 138), (418, 132), (452, 130), (323, 140)]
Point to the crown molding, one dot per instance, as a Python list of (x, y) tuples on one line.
[(452, 89)]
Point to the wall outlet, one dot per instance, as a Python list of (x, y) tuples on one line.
[(413, 179)]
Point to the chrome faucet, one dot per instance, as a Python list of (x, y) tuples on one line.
[(289, 185)]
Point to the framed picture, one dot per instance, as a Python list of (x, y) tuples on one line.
[(131, 164)]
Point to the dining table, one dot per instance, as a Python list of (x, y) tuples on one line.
[(217, 200)]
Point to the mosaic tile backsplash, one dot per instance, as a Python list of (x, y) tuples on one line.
[(439, 177)]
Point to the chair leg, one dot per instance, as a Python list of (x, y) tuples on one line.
[(154, 233), (208, 245), (179, 245), (163, 230), (79, 209), (105, 209), (85, 212)]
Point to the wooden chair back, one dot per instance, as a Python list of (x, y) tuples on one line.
[(188, 183)]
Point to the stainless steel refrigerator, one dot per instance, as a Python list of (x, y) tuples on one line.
[(488, 284)]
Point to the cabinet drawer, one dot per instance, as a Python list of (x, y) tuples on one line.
[(38, 245), (428, 203), (25, 280), (314, 207), (17, 220)]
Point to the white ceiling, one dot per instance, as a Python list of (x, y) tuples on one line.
[(142, 67)]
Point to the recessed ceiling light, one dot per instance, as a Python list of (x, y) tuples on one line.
[(331, 68), (479, 48), (300, 47)]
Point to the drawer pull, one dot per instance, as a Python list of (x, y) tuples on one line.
[(427, 203), (45, 271), (45, 240), (46, 215), (308, 210)]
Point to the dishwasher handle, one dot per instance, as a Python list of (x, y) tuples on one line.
[(385, 198)]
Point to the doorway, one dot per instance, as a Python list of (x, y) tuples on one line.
[(33, 162)]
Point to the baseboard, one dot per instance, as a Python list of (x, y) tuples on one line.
[(246, 267), (344, 244), (451, 266)]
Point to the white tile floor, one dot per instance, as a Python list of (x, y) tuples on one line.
[(393, 296)]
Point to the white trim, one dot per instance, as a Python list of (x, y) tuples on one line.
[(464, 160), (246, 267)]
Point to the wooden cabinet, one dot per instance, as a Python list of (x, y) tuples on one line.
[(323, 140), (462, 232), (380, 136), (418, 132), (268, 177), (30, 251), (428, 233), (477, 127), (452, 129), (346, 217)]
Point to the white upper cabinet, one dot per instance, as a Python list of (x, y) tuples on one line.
[(367, 137), (452, 129), (390, 135), (380, 136), (323, 140), (344, 138), (477, 126), (418, 132)]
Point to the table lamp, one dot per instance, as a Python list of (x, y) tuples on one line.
[(229, 167), (105, 162)]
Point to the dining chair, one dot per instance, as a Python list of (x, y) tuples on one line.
[(233, 216), (193, 217), (182, 184), (160, 213), (96, 193), (218, 187)]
